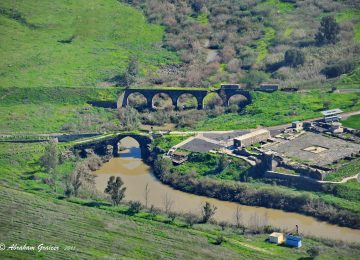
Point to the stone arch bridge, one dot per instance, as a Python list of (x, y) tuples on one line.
[(174, 94), (104, 146)]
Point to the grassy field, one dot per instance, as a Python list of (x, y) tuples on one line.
[(95, 234), (55, 109), (206, 165), (347, 170), (277, 108), (60, 109), (263, 43), (74, 43), (83, 232), (352, 122), (55, 54), (168, 141)]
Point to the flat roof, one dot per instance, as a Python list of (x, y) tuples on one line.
[(276, 234), (331, 112), (252, 134), (269, 84)]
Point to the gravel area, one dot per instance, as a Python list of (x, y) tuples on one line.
[(225, 136), (199, 145), (335, 149)]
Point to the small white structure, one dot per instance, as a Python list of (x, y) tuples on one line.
[(336, 128), (251, 138), (297, 125), (276, 238), (332, 115)]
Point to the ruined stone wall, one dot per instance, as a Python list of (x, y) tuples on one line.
[(294, 180)]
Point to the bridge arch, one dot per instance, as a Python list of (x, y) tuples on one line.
[(237, 99), (212, 99), (187, 101), (131, 147), (103, 145), (137, 100), (162, 100)]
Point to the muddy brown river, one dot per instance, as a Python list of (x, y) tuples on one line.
[(136, 175)]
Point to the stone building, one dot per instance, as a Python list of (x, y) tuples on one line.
[(252, 138), (336, 128), (268, 87), (230, 86), (297, 125)]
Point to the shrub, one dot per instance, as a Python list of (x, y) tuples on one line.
[(294, 58), (219, 240), (255, 77), (134, 207), (191, 219), (336, 69)]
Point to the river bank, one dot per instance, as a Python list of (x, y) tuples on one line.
[(136, 175)]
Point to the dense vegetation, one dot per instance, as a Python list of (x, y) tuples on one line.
[(214, 165), (258, 194), (246, 41)]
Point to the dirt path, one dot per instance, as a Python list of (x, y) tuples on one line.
[(343, 116), (343, 180)]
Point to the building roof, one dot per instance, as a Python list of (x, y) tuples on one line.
[(269, 84), (276, 234), (252, 134), (292, 238), (331, 112), (230, 86)]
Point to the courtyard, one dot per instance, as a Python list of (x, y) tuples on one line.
[(316, 149)]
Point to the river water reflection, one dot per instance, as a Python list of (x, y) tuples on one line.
[(136, 175)]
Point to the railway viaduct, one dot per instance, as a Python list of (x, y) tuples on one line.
[(174, 94)]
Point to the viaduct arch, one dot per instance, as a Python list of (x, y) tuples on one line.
[(174, 94)]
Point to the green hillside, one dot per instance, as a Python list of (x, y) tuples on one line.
[(74, 43), (83, 232)]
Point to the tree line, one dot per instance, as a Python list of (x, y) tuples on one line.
[(246, 194)]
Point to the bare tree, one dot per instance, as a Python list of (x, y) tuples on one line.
[(191, 219), (254, 222), (168, 203), (146, 194), (258, 223), (238, 217), (80, 176)]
